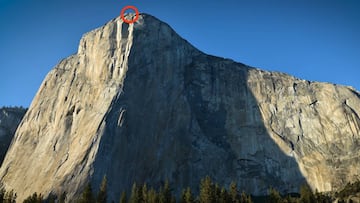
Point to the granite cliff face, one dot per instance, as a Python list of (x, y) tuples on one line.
[(139, 103), (9, 121)]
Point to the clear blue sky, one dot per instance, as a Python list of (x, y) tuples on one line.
[(313, 40)]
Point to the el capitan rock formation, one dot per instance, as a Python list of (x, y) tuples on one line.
[(139, 103)]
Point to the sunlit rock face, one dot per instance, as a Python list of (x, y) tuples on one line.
[(138, 103), (316, 123), (9, 120)]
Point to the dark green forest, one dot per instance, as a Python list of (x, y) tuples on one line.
[(209, 192)]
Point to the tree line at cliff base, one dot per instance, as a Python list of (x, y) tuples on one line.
[(209, 192)]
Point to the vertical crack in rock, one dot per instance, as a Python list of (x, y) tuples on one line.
[(353, 119)]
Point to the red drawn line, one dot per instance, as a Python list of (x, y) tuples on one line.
[(136, 14)]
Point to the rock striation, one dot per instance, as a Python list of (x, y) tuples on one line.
[(9, 121), (139, 103)]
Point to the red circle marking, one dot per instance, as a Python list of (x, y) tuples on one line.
[(136, 14)]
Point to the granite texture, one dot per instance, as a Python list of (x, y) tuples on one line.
[(139, 103)]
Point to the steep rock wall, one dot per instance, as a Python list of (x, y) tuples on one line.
[(139, 103)]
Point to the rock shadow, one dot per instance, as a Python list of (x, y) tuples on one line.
[(181, 119)]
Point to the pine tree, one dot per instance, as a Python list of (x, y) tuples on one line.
[(2, 195), (224, 197), (244, 198), (134, 197), (207, 191), (217, 192), (51, 198), (102, 196), (187, 196), (144, 193), (182, 198), (62, 198), (306, 195), (165, 193), (87, 195), (274, 196), (10, 197), (152, 196), (35, 198), (162, 198), (233, 192), (123, 198), (320, 197), (289, 199)]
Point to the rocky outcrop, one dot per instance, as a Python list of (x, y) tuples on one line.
[(139, 103), (9, 121)]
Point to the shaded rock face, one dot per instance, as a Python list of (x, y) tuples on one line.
[(9, 121), (139, 103)]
